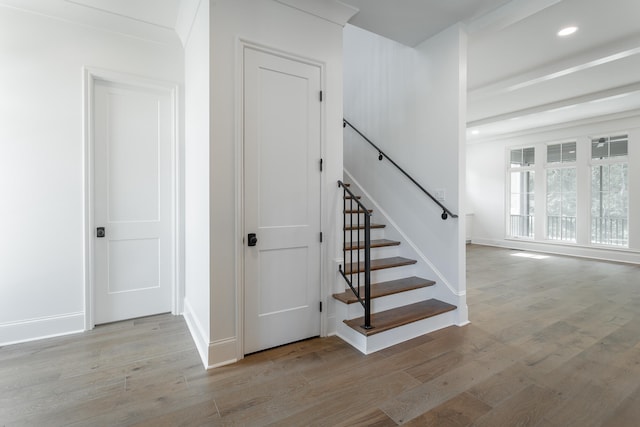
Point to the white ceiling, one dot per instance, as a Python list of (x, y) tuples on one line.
[(413, 21), (523, 76), (520, 74)]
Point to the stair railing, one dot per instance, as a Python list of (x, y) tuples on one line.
[(349, 199), (382, 155)]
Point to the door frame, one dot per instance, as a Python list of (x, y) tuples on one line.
[(90, 76), (241, 45)]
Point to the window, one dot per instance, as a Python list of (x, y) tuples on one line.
[(522, 157), (561, 192), (522, 199), (610, 147), (582, 188), (609, 191)]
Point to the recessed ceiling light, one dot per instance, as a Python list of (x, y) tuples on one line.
[(567, 31), (475, 132)]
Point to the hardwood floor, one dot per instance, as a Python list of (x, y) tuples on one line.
[(554, 341)]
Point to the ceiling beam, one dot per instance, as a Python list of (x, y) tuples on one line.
[(582, 99), (594, 57), (632, 115)]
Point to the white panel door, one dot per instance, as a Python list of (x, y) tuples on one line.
[(133, 262), (282, 200)]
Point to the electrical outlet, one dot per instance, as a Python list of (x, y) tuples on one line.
[(439, 195)]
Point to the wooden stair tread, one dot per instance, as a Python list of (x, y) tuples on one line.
[(351, 198), (379, 264), (400, 316), (379, 243), (361, 227), (357, 211), (386, 288)]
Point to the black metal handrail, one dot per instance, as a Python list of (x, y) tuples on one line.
[(382, 155), (360, 208)]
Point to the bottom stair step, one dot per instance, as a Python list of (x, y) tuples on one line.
[(400, 316)]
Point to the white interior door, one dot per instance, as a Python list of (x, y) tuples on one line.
[(133, 262), (282, 119)]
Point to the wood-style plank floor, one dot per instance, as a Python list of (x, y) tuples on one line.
[(554, 341)]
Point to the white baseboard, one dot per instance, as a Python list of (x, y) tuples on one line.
[(462, 318), (604, 254), (222, 352), (40, 328), (198, 334), (213, 354)]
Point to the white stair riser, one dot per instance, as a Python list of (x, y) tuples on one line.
[(378, 276), (387, 274), (376, 253), (353, 219), (388, 302), (376, 233)]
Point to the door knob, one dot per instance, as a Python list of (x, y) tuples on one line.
[(252, 239), (100, 232)]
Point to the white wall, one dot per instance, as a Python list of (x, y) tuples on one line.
[(411, 103), (277, 26), (197, 190), (487, 186), (41, 162)]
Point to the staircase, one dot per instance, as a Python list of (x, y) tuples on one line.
[(399, 303)]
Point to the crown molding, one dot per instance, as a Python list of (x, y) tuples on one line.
[(329, 10)]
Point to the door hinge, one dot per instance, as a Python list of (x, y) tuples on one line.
[(321, 237), (320, 306), (320, 96), (321, 162)]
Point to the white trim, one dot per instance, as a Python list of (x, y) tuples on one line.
[(41, 327), (225, 350), (198, 334), (243, 44), (239, 195), (187, 12), (177, 184), (330, 10), (325, 288), (87, 202), (73, 12), (409, 242), (90, 76)]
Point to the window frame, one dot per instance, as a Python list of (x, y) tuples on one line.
[(531, 168), (561, 164), (608, 161)]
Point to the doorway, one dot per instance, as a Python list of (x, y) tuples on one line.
[(131, 212), (281, 199)]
